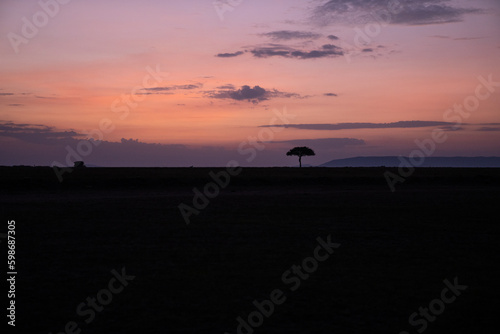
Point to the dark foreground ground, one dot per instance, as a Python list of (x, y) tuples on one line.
[(396, 249)]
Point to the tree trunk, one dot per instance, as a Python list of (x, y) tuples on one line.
[(300, 161)]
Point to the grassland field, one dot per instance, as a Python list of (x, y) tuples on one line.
[(396, 249)]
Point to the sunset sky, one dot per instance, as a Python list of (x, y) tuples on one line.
[(181, 83)]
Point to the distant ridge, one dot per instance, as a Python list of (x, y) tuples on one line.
[(394, 161)]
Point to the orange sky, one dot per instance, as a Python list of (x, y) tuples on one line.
[(81, 65)]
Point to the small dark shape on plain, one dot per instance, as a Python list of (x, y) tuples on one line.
[(79, 164)]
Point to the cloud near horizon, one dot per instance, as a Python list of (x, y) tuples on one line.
[(324, 143), (352, 126), (488, 128), (37, 133), (49, 146)]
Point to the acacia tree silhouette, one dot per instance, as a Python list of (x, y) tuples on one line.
[(301, 152)]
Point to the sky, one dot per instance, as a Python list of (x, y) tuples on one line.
[(202, 83)]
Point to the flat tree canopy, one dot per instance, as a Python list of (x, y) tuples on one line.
[(301, 152)]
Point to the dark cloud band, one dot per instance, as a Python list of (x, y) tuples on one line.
[(351, 126), (404, 12)]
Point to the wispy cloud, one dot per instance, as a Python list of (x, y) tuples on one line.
[(45, 97), (279, 50), (456, 38), (174, 87), (488, 128), (451, 128), (228, 86), (167, 90), (230, 55), (351, 126), (285, 35)]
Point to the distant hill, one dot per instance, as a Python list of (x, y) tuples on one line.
[(394, 161)]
